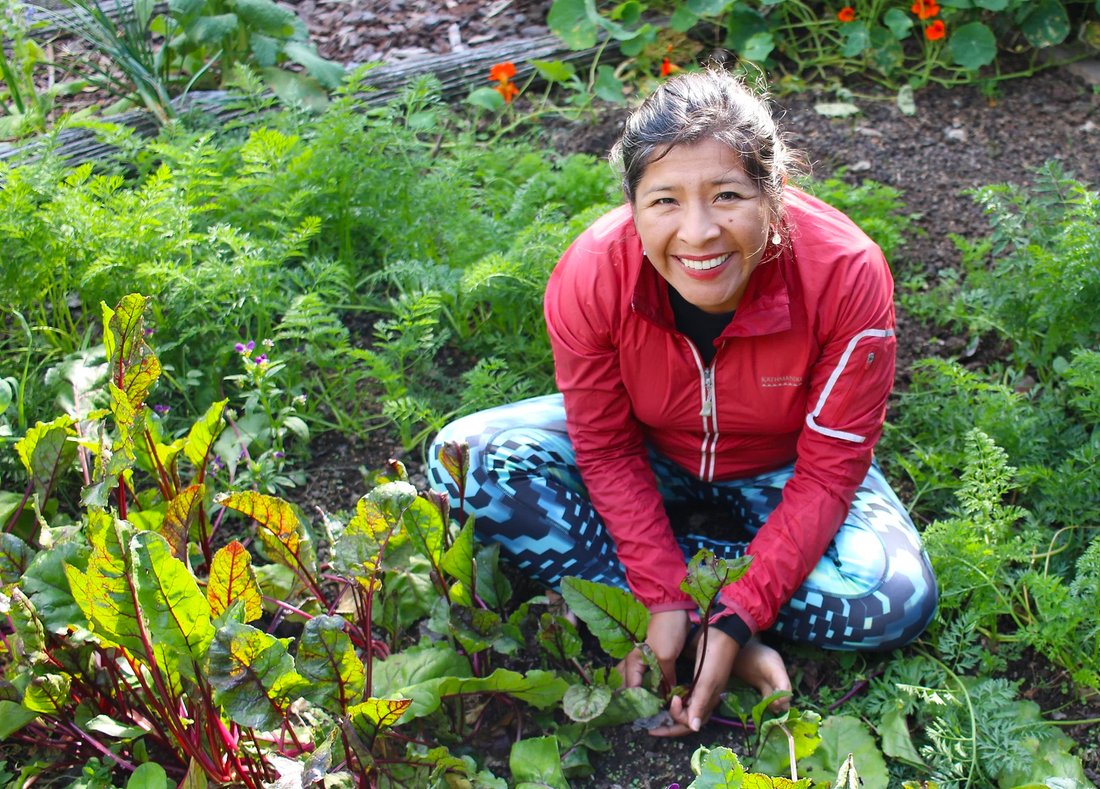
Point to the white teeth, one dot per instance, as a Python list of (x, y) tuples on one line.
[(703, 265)]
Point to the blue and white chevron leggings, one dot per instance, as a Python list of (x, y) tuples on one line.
[(873, 588)]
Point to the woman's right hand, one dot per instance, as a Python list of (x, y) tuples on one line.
[(666, 637)]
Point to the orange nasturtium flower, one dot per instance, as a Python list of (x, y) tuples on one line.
[(935, 31), (846, 14), (507, 89), (502, 73), (667, 66), (925, 9)]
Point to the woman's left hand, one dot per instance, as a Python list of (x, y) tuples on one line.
[(690, 714)]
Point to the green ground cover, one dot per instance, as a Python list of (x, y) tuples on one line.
[(170, 618)]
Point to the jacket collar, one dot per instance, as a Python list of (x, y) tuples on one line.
[(764, 309)]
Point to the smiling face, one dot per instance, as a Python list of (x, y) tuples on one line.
[(703, 223)]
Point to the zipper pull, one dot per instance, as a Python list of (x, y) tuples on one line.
[(708, 393)]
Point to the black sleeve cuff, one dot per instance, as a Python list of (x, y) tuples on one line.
[(733, 626)]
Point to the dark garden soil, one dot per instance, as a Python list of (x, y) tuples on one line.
[(958, 138)]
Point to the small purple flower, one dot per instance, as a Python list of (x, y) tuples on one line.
[(261, 359), (162, 409), (239, 347), (148, 330), (279, 455), (217, 463)]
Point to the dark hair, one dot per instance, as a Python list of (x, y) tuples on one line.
[(701, 105)]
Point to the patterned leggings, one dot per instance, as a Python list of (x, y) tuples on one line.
[(873, 588)]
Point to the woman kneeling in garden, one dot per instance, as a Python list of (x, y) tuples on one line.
[(723, 338)]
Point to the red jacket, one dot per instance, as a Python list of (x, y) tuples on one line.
[(802, 374)]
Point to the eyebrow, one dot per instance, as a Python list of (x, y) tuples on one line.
[(730, 180)]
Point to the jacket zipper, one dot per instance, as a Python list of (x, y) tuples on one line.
[(708, 410)]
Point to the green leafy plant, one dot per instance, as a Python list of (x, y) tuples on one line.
[(900, 45), (24, 104), (158, 56)]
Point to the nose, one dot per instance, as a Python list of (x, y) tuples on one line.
[(698, 225)]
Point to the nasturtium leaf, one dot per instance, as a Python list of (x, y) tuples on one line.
[(48, 693), (231, 580), (710, 7), (744, 23), (326, 657), (906, 101), (683, 19), (836, 109), (554, 70), (569, 20), (201, 436), (1046, 25), (46, 584), (177, 520), (899, 22), (173, 608), (608, 86), (536, 763), (486, 99), (841, 736), (989, 5), (13, 717), (374, 715), (15, 558), (586, 702), (886, 53), (758, 47), (613, 615), (856, 39), (278, 526), (45, 450), (973, 45), (247, 666)]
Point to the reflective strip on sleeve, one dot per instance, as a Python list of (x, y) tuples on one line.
[(812, 416)]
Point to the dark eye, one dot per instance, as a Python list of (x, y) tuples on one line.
[(727, 196), (664, 201)]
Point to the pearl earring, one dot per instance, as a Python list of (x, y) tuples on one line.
[(776, 238)]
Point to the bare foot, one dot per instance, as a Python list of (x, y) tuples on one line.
[(763, 668)]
